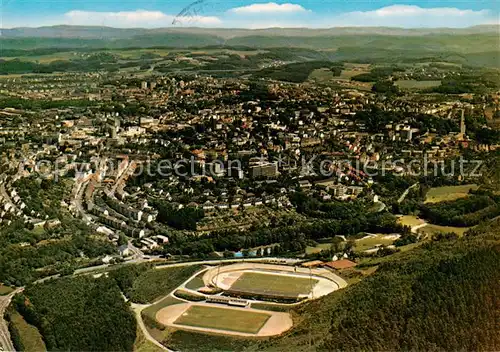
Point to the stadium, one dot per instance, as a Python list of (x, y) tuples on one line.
[(246, 299)]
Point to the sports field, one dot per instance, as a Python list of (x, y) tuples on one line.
[(223, 319), (447, 193), (273, 285)]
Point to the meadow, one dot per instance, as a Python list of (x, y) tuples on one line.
[(413, 84), (448, 193)]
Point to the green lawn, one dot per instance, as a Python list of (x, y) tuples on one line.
[(5, 290), (447, 193), (197, 282), (156, 283), (273, 285), (223, 319)]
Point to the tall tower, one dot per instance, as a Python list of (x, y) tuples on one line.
[(462, 124)]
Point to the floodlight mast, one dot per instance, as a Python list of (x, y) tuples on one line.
[(217, 277)]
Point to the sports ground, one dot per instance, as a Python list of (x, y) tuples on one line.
[(273, 281), (273, 285), (223, 313), (223, 319), (210, 318)]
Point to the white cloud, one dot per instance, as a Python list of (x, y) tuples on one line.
[(138, 18), (270, 7), (411, 16), (412, 10), (269, 15)]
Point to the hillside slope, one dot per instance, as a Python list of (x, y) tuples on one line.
[(441, 296)]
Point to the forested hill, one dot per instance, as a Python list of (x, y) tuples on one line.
[(441, 296)]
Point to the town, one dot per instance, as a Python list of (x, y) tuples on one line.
[(210, 193)]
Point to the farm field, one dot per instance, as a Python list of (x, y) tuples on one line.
[(322, 75), (447, 193), (413, 84), (223, 319), (273, 285)]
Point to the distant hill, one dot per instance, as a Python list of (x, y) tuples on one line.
[(477, 46), (468, 40), (98, 32)]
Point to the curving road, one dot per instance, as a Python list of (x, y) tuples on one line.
[(405, 193), (5, 341)]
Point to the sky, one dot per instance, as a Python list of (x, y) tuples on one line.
[(249, 13)]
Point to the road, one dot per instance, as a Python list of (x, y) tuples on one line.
[(5, 300), (5, 341), (405, 193)]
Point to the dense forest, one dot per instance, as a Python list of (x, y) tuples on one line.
[(464, 212), (376, 74), (181, 219), (79, 314)]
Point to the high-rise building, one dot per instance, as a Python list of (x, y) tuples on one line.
[(264, 170)]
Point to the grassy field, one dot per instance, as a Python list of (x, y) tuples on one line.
[(144, 345), (413, 84), (5, 290), (321, 76), (432, 229), (196, 282), (447, 193), (320, 247), (156, 283), (352, 70), (28, 335), (223, 319), (371, 242), (273, 285), (410, 220)]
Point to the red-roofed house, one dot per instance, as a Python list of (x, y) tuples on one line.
[(341, 264)]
